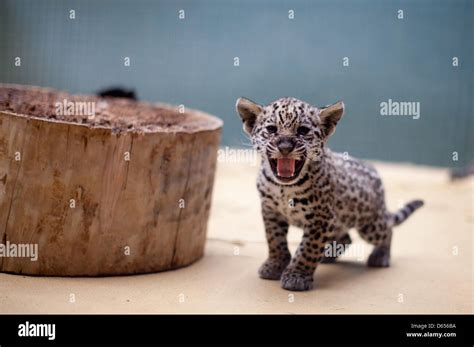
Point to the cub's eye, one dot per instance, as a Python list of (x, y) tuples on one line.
[(272, 129), (302, 130)]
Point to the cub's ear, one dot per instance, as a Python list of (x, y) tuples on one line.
[(248, 112), (329, 116)]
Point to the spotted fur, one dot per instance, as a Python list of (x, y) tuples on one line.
[(330, 194)]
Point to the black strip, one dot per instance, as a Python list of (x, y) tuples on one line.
[(243, 329)]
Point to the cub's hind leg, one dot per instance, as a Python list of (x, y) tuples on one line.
[(378, 234)]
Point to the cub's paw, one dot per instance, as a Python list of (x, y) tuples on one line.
[(296, 281), (272, 269), (380, 257)]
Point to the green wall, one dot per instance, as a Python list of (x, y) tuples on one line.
[(191, 62)]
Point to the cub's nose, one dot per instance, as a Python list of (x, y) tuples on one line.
[(285, 145)]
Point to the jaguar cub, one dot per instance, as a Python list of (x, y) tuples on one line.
[(302, 183)]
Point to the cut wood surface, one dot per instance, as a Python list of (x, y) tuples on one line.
[(124, 190)]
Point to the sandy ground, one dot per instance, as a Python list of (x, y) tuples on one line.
[(431, 272)]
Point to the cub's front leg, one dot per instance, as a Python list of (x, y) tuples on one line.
[(276, 230), (298, 275)]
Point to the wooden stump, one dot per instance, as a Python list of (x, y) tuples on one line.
[(124, 189)]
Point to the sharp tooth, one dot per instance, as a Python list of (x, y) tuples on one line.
[(286, 167)]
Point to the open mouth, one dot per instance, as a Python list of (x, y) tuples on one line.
[(286, 169)]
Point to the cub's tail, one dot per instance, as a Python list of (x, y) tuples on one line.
[(402, 214)]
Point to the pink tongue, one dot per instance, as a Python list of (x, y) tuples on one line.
[(286, 167)]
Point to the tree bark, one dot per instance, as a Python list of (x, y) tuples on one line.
[(118, 197)]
